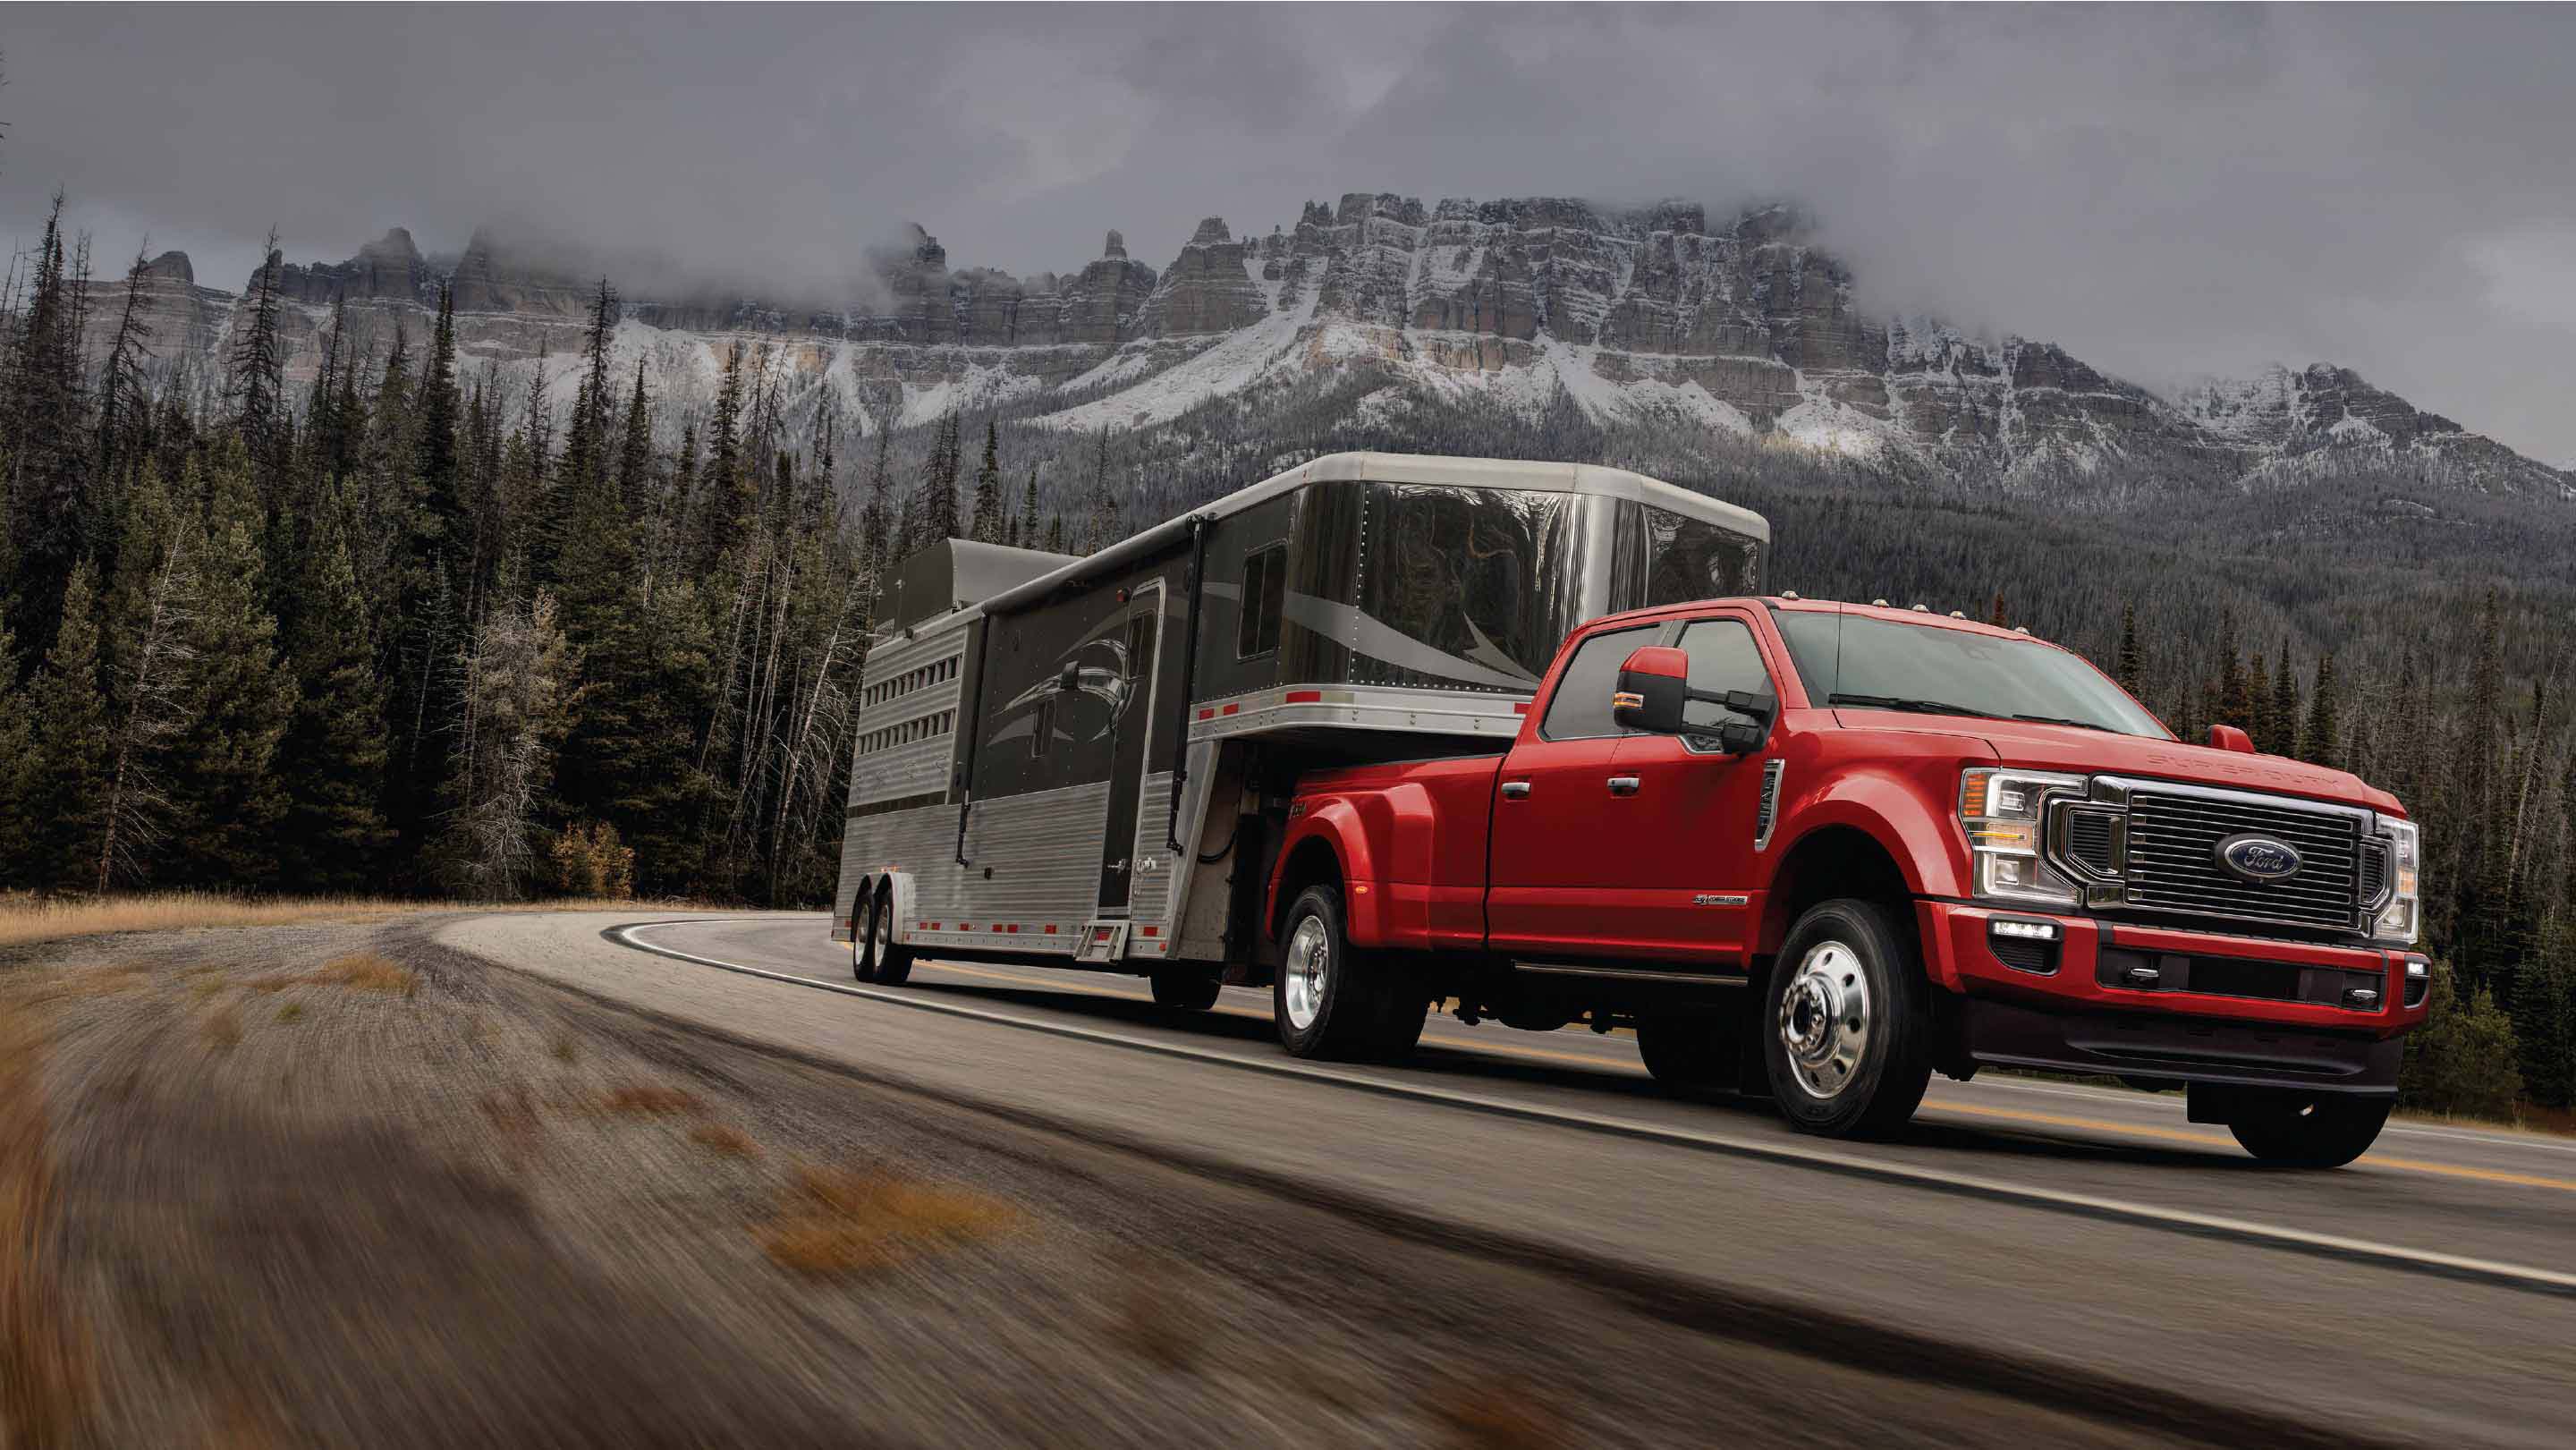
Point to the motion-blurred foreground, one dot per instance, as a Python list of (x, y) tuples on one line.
[(335, 1183)]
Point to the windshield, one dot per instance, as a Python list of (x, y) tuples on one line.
[(1857, 661)]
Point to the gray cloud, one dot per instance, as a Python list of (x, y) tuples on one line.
[(2165, 191)]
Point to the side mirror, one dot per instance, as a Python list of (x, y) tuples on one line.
[(2228, 737), (1069, 682), (1654, 683), (1654, 686)]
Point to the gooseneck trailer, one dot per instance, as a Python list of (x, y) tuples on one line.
[(1089, 760)]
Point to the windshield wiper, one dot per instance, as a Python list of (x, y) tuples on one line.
[(2062, 720), (1900, 702)]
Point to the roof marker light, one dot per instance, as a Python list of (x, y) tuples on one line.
[(1923, 609), (1879, 603), (2021, 629), (1788, 593), (1958, 614)]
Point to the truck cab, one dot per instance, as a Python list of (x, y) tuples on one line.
[(1822, 850)]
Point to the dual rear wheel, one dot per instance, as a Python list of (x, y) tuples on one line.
[(1333, 1000)]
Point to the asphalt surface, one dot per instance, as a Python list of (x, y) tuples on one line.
[(2425, 1293)]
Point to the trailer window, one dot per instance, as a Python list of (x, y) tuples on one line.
[(1265, 589), (1689, 559), (1580, 709)]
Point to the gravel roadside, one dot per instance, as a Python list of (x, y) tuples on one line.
[(336, 1184)]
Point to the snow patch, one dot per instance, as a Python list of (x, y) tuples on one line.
[(1228, 367)]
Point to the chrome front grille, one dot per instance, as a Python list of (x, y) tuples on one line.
[(2173, 862)]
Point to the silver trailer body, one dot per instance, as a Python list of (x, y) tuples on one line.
[(1025, 717)]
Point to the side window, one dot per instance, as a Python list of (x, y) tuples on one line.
[(1723, 657), (1580, 709), (1265, 588)]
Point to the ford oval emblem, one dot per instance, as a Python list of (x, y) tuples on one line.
[(2258, 858)]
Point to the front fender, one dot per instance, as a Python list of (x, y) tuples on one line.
[(1900, 811)]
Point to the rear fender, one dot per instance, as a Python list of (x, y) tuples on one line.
[(1352, 828)]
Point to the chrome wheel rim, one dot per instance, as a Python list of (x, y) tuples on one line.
[(1824, 1019), (880, 929), (1304, 973)]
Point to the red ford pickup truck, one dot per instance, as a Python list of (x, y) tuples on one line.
[(1823, 850)]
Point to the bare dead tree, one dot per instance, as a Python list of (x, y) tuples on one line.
[(512, 712), (151, 708)]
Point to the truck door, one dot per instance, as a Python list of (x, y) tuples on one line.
[(1682, 838), (1548, 876), (1131, 724)]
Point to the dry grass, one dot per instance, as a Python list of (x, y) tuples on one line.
[(367, 971), (1494, 1414), (833, 1223), (723, 1141), (47, 1366), (291, 1012), (25, 919), (651, 1100)]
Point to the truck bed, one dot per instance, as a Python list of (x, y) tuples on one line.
[(1430, 819)]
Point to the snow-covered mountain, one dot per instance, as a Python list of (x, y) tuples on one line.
[(1745, 328)]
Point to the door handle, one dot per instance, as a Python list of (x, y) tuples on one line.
[(1514, 790), (1623, 785)]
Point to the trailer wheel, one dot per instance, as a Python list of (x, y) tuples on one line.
[(1191, 988), (1691, 1054), (2309, 1130), (1848, 1040), (893, 960), (1329, 999), (863, 934)]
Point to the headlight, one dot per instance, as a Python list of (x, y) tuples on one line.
[(2401, 920), (2001, 811)]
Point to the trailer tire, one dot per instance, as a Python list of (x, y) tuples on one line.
[(1691, 1054), (1192, 989), (2309, 1130), (893, 959), (1847, 1032), (1329, 999), (863, 933)]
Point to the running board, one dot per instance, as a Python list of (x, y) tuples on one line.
[(1103, 941)]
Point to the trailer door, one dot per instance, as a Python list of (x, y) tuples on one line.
[(1131, 727)]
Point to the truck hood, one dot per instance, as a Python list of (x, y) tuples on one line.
[(2100, 752)]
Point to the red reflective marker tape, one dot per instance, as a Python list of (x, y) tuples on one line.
[(1304, 697), (1230, 709)]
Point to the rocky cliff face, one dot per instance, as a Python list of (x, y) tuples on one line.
[(1746, 326)]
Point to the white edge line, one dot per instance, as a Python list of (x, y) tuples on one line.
[(2457, 1265)]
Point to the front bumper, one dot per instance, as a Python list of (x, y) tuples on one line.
[(2188, 1006)]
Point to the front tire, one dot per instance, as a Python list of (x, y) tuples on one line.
[(1332, 1000), (2315, 1130), (893, 960), (1848, 1037), (1192, 989)]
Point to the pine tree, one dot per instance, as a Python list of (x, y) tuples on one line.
[(19, 766), (2130, 669), (222, 764), (46, 438), (334, 836), (1055, 534), (726, 503), (1026, 533), (2258, 700), (1100, 525), (1995, 612), (2544, 1018), (989, 514), (2284, 739), (259, 372), (124, 404), (2321, 739), (629, 757), (936, 518), (881, 530), (636, 483), (69, 710), (2233, 702)]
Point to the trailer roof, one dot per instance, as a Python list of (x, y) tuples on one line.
[(1395, 468)]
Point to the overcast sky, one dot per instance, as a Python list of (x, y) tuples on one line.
[(2165, 192)]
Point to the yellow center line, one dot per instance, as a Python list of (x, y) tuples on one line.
[(2176, 1135)]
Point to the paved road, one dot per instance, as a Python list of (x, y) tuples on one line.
[(2063, 1225)]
